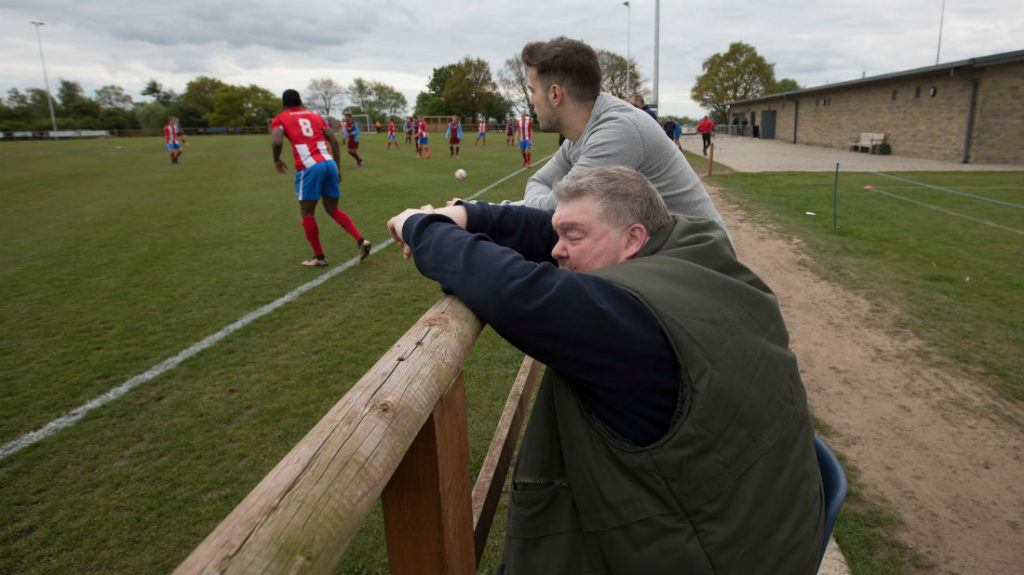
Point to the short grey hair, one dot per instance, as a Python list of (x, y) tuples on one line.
[(625, 196)]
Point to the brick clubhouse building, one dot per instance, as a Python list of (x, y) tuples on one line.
[(971, 111)]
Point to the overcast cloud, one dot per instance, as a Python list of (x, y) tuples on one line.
[(279, 45)]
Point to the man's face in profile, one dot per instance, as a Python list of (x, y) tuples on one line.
[(585, 241)]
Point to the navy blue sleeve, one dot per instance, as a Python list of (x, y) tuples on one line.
[(594, 332)]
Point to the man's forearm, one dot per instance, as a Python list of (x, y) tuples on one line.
[(538, 187)]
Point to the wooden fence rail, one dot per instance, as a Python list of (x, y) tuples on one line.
[(400, 433)]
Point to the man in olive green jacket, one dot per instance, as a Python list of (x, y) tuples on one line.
[(670, 433)]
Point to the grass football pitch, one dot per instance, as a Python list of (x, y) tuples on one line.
[(115, 261)]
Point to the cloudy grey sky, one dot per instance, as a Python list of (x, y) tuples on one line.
[(279, 44)]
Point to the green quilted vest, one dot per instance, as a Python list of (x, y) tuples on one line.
[(733, 487)]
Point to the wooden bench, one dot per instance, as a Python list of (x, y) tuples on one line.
[(867, 142)]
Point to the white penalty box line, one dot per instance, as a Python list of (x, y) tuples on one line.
[(73, 416)]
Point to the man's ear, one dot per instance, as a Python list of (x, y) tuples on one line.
[(636, 237), (556, 94)]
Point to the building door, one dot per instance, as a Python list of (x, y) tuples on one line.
[(768, 124)]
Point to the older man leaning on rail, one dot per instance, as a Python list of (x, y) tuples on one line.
[(671, 431)]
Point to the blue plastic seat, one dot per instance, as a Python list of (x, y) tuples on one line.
[(833, 480)]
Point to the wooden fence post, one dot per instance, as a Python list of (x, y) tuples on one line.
[(428, 512)]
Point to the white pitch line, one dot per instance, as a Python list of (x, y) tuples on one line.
[(72, 417), (159, 369), (947, 212)]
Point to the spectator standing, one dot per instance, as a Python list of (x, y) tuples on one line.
[(706, 127), (638, 101), (564, 77)]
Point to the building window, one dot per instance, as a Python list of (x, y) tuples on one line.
[(917, 92), (894, 92), (932, 91)]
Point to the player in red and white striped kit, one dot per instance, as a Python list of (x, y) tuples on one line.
[(422, 139), (391, 136), (174, 138), (481, 132), (317, 176), (524, 128)]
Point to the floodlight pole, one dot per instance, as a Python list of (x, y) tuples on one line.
[(46, 79), (626, 4), (942, 16), (657, 28)]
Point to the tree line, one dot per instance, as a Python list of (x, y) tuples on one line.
[(465, 88)]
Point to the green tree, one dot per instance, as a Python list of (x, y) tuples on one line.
[(157, 92), (614, 78), (70, 95), (151, 115), (361, 94), (428, 104), (188, 114), (738, 74), (16, 98), (785, 85), (432, 102), (438, 79), (470, 88), (242, 106), (18, 113), (76, 111), (38, 109), (388, 102), (114, 119), (200, 93), (111, 97), (499, 108)]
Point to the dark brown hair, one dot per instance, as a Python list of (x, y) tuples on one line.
[(568, 63)]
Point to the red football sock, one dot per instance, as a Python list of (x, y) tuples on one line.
[(347, 223), (312, 234)]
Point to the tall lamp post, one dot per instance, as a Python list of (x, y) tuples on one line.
[(46, 79), (626, 4), (657, 46)]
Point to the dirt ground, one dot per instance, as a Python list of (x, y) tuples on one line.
[(931, 444)]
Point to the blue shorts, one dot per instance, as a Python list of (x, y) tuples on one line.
[(422, 141), (319, 180), (391, 136), (173, 147), (524, 145)]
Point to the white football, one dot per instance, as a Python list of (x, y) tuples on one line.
[(460, 174)]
